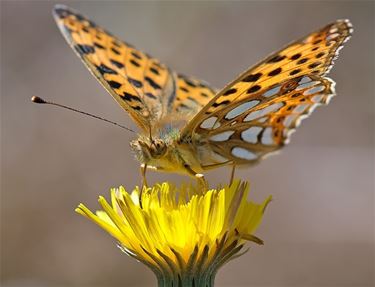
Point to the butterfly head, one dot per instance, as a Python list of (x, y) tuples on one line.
[(147, 149)]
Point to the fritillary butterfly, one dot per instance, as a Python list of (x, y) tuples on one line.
[(189, 127)]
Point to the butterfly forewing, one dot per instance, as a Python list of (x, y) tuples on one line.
[(254, 114), (141, 84), (136, 80)]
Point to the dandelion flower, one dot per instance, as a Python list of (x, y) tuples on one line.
[(182, 234)]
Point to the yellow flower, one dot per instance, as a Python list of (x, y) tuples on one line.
[(182, 234)]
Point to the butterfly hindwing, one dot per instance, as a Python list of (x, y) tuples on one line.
[(252, 128), (192, 95), (273, 89)]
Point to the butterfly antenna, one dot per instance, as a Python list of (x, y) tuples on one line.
[(39, 100)]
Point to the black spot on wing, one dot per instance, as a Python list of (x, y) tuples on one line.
[(129, 97), (190, 83), (152, 83), (296, 56), (136, 55), (84, 49), (103, 69), (135, 83), (98, 46), (276, 59), (135, 63), (114, 84), (114, 50), (117, 64), (150, 96), (254, 89), (296, 95), (304, 60), (154, 71), (317, 42), (229, 92), (221, 103), (294, 72), (275, 72), (252, 78), (314, 65)]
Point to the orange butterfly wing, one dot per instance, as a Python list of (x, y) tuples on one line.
[(192, 95), (141, 84), (254, 114)]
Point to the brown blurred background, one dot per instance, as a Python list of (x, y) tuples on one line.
[(318, 231)]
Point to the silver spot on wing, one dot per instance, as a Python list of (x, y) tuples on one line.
[(263, 112), (210, 123), (224, 136), (267, 137), (272, 92), (243, 153), (240, 109), (251, 134)]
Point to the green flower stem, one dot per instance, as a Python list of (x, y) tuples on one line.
[(187, 280)]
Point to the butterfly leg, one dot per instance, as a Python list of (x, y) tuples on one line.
[(202, 181), (200, 177), (143, 173), (232, 174), (144, 182)]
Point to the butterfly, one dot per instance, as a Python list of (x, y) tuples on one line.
[(189, 127)]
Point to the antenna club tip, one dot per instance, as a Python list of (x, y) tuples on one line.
[(38, 100)]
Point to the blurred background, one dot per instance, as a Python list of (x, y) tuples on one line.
[(318, 231)]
